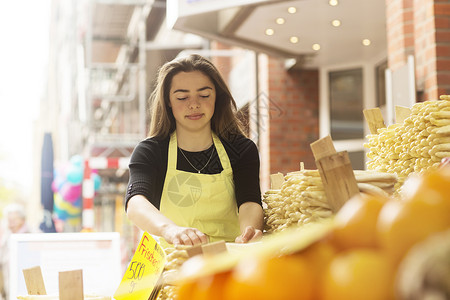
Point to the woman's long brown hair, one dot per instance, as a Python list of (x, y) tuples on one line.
[(224, 121)]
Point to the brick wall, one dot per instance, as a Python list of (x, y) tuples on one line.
[(425, 49), (421, 28), (432, 47), (400, 31), (293, 103), (442, 37)]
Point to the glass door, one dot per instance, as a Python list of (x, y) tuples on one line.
[(346, 110)]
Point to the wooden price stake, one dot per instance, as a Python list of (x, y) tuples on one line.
[(336, 172), (34, 281), (276, 181), (323, 148), (401, 113), (194, 250), (374, 119), (209, 249), (142, 279), (214, 248), (71, 285)]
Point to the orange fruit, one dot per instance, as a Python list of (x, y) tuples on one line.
[(210, 287), (286, 277), (318, 255), (186, 289), (204, 288), (245, 280), (400, 225), (431, 187), (424, 210), (358, 274), (432, 184), (355, 222)]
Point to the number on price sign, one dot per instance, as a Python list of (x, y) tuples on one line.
[(143, 271)]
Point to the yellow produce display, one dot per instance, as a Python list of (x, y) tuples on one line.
[(176, 256), (301, 199), (362, 254), (416, 145)]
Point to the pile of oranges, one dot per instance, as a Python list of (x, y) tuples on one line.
[(357, 259)]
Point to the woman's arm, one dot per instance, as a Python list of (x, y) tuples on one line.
[(251, 222), (247, 188), (148, 218)]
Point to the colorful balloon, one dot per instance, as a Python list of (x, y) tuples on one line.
[(77, 203), (77, 160), (57, 209), (97, 181), (59, 178), (74, 221), (75, 175), (70, 192)]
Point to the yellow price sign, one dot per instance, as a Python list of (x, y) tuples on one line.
[(143, 272)]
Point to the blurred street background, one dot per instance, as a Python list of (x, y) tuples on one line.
[(24, 27)]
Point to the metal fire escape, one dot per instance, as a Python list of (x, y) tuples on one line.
[(125, 43), (114, 75), (114, 84)]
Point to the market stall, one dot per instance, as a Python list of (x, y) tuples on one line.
[(388, 241), (331, 233)]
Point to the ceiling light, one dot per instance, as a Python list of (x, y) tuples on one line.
[(333, 2), (292, 10), (269, 31), (366, 42), (316, 47), (293, 39), (280, 21), (336, 23)]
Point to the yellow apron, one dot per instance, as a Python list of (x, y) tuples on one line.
[(203, 201)]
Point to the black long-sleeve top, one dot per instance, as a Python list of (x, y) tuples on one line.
[(148, 166)]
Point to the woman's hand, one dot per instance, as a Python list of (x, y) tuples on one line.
[(251, 219), (147, 217), (183, 235), (250, 234)]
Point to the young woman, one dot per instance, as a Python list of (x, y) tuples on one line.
[(196, 179)]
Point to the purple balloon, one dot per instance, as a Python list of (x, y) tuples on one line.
[(70, 192)]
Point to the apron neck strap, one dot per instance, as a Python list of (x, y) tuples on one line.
[(173, 152)]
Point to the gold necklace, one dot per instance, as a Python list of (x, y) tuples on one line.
[(198, 171)]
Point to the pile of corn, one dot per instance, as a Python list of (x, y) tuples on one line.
[(175, 256), (301, 199), (417, 144)]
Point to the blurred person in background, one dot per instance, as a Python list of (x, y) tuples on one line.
[(14, 221), (196, 178)]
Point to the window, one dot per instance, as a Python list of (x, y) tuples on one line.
[(381, 83), (346, 104)]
